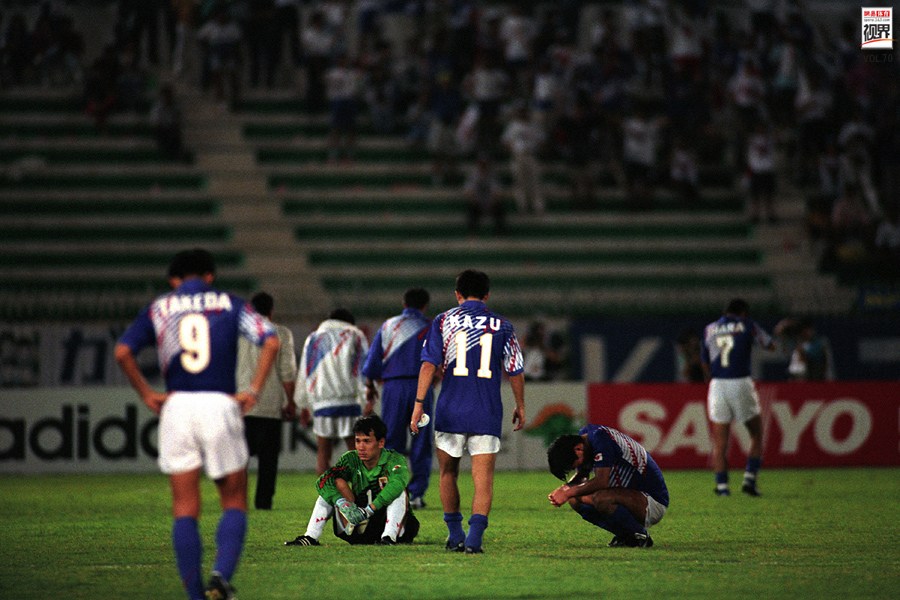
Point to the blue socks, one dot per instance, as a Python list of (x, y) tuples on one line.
[(622, 521), (753, 465), (454, 527), (477, 525), (188, 552), (230, 541)]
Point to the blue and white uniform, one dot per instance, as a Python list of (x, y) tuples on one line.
[(395, 357), (330, 379), (631, 466), (195, 329), (475, 347), (727, 346)]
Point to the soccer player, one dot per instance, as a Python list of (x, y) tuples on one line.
[(366, 490), (394, 357), (727, 346), (627, 493), (473, 347), (262, 424), (330, 380), (195, 329)]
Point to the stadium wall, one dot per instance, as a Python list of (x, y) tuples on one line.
[(615, 349), (108, 429)]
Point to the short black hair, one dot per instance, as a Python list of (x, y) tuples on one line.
[(473, 284), (342, 314), (737, 306), (416, 298), (371, 424), (561, 454), (196, 261), (263, 303)]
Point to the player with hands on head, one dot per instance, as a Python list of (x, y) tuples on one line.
[(725, 355), (617, 485), (365, 492), (195, 329), (473, 347)]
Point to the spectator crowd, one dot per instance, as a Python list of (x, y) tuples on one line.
[(645, 95)]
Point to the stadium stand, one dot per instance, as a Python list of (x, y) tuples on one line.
[(89, 216)]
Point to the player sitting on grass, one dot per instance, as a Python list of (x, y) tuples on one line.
[(367, 486), (627, 493)]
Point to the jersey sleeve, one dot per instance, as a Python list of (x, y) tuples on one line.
[(398, 479), (433, 348), (605, 452), (373, 364), (326, 486), (253, 326), (286, 364), (301, 394), (513, 362), (140, 333)]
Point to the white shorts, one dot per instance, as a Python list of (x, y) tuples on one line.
[(454, 443), (655, 512), (732, 400), (334, 428), (201, 429)]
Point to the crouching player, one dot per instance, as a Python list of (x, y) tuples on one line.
[(365, 492), (627, 493)]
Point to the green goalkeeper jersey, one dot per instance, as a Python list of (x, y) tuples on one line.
[(380, 485)]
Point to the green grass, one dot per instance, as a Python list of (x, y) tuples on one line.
[(822, 533)]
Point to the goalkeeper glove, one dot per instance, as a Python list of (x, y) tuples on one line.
[(354, 514)]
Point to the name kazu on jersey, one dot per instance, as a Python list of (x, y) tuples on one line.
[(477, 323), (203, 302), (732, 327)]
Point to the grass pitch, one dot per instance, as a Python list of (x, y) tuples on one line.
[(819, 533)]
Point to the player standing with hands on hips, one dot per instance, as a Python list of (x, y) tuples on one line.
[(725, 355), (474, 347), (195, 329)]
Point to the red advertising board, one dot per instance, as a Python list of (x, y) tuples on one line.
[(805, 424)]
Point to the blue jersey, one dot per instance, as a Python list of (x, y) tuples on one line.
[(631, 466), (397, 347), (475, 347), (727, 344), (195, 330)]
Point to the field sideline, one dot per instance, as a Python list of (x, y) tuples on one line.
[(817, 533)]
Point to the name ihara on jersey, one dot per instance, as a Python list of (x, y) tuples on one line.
[(732, 327), (202, 302), (477, 323)]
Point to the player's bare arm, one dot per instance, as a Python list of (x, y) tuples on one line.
[(127, 362), (426, 375), (518, 387), (562, 494)]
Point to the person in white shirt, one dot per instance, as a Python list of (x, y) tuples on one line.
[(523, 138), (761, 167), (331, 388), (342, 82), (262, 423)]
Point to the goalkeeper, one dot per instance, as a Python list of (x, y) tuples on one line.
[(365, 492)]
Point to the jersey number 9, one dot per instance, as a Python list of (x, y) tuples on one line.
[(193, 336)]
